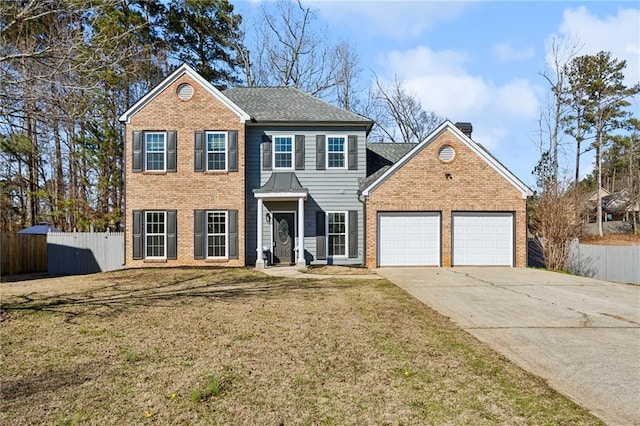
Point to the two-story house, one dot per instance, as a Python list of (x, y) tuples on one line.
[(257, 176)]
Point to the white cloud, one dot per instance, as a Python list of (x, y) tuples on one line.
[(504, 52), (397, 20), (442, 84), (618, 34)]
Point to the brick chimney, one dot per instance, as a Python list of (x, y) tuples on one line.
[(465, 127)]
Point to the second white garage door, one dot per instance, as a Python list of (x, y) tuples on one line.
[(409, 239), (483, 239)]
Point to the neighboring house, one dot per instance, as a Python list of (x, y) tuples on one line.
[(256, 176), (617, 206)]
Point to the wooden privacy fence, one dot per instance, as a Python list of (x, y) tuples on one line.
[(22, 254), (76, 253), (611, 263)]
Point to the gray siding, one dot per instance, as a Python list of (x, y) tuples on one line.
[(329, 190)]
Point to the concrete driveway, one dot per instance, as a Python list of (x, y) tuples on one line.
[(581, 335)]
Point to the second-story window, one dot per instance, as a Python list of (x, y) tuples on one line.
[(216, 151), (283, 152), (335, 152), (155, 151)]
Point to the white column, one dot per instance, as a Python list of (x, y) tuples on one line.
[(259, 261), (301, 260)]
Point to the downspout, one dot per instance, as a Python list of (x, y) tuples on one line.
[(364, 227)]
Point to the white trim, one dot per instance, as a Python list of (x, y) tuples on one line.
[(346, 235), (145, 234), (273, 152), (345, 152), (284, 196), (226, 149), (226, 234), (448, 125), (183, 69), (146, 151)]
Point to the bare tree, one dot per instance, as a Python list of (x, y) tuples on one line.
[(289, 49), (556, 115), (398, 114)]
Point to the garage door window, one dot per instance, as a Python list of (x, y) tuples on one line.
[(337, 233)]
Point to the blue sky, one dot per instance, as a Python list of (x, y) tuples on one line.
[(481, 61)]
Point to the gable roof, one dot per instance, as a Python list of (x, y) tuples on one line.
[(183, 69), (290, 105), (475, 147)]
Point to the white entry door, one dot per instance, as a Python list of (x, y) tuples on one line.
[(482, 239), (408, 239)]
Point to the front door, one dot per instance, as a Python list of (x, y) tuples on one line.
[(283, 236)]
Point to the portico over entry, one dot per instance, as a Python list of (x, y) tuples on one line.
[(283, 197)]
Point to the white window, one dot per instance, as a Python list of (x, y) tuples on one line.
[(336, 152), (283, 152), (216, 151), (337, 233), (217, 234), (156, 234), (155, 151)]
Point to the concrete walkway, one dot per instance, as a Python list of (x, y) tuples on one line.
[(581, 335)]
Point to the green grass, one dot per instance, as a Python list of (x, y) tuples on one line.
[(233, 346)]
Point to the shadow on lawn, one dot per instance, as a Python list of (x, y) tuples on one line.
[(48, 381), (118, 293)]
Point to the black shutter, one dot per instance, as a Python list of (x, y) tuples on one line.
[(172, 234), (300, 152), (353, 233), (352, 152), (198, 157), (266, 152), (233, 151), (320, 152), (199, 227), (138, 226), (233, 234), (321, 239), (136, 147), (171, 151)]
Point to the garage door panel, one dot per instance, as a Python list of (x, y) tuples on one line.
[(484, 239), (409, 239)]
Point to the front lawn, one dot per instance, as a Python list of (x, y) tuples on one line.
[(233, 346)]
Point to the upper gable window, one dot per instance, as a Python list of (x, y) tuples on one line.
[(216, 150), (336, 152), (155, 151), (185, 91), (283, 152)]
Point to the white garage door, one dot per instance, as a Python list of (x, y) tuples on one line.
[(484, 239), (409, 239)]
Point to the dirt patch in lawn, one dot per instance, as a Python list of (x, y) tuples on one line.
[(338, 270), (611, 239), (234, 346)]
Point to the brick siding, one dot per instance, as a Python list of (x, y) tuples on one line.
[(421, 185), (186, 190)]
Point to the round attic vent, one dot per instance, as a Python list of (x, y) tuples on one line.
[(446, 153), (185, 91)]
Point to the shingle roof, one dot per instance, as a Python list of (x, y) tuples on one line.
[(287, 104), (381, 156)]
